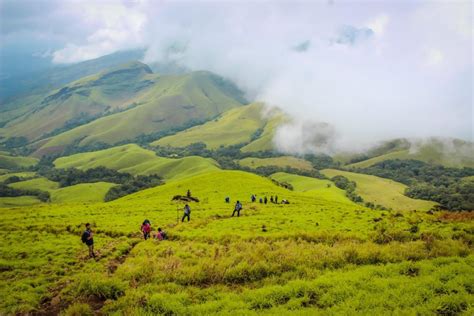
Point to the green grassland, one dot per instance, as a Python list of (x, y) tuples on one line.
[(90, 96), (82, 192), (450, 153), (283, 162), (36, 184), (321, 254), (322, 189), (18, 201), (234, 127), (169, 102), (138, 161), (8, 161), (265, 141), (21, 175), (385, 192)]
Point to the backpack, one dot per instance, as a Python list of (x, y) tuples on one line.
[(84, 237), (164, 235)]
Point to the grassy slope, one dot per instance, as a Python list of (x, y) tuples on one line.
[(381, 191), (18, 201), (136, 160), (93, 95), (171, 102), (83, 192), (284, 161), (11, 162), (37, 183), (314, 187), (265, 141), (450, 153), (21, 175), (316, 256), (233, 127)]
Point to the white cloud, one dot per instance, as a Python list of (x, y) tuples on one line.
[(434, 57), (379, 24)]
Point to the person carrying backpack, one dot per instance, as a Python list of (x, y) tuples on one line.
[(87, 238), (253, 198), (146, 229), (187, 213), (161, 235), (237, 208)]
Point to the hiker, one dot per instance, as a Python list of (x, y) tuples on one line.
[(227, 199), (253, 198), (87, 238), (187, 213), (237, 208), (271, 198), (276, 199), (261, 200), (161, 234), (265, 200), (146, 229), (188, 194), (285, 201)]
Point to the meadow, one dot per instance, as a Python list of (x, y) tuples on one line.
[(320, 254)]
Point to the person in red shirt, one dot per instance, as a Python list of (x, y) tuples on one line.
[(146, 229)]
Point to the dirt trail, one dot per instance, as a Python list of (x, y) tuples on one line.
[(54, 305)]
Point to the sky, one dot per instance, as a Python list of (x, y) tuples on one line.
[(348, 72)]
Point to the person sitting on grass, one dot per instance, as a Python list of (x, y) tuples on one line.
[(161, 235), (146, 229), (237, 208), (87, 238), (187, 213)]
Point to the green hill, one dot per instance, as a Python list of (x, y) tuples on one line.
[(81, 101), (136, 160), (315, 187), (8, 161), (316, 255), (265, 141), (36, 183), (447, 152), (168, 103), (235, 126), (283, 161), (83, 192), (385, 192)]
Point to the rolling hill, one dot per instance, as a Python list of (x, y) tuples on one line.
[(135, 160), (385, 192), (318, 188), (82, 100), (454, 153), (168, 103), (234, 127), (282, 162), (8, 161)]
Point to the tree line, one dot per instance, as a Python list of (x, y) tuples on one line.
[(437, 183)]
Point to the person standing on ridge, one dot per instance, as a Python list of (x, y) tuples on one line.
[(87, 238), (188, 194), (253, 198), (187, 213), (265, 200), (276, 199), (237, 208)]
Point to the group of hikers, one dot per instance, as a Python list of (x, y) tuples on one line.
[(146, 229)]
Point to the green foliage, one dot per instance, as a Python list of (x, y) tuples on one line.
[(430, 182), (6, 191)]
